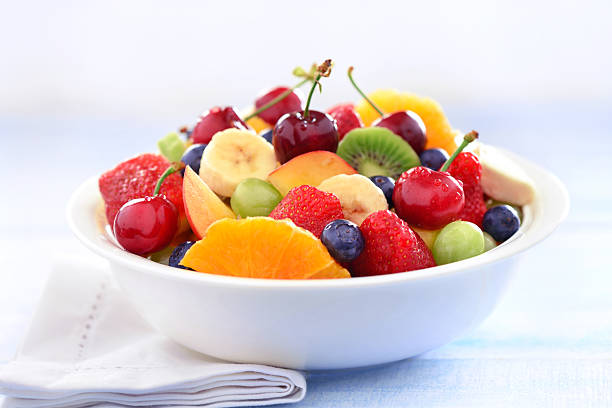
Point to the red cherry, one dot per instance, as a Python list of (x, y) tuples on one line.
[(216, 120), (291, 103), (406, 124), (302, 132), (346, 118), (431, 199), (146, 225), (427, 198), (295, 134)]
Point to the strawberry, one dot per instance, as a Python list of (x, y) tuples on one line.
[(391, 246), (466, 167), (136, 178), (475, 207), (346, 118), (309, 208)]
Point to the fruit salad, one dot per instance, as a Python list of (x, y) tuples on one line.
[(285, 191)]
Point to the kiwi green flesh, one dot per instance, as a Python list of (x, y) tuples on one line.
[(376, 151)]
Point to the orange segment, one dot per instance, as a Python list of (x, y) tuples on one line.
[(258, 124), (333, 270), (260, 247), (439, 131)]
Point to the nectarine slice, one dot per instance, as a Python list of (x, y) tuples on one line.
[(202, 205), (308, 169)]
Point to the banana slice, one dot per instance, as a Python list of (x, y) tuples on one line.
[(234, 155), (502, 179), (358, 196)]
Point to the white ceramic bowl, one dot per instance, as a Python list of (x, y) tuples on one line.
[(322, 324)]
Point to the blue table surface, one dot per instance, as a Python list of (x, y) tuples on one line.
[(548, 343)]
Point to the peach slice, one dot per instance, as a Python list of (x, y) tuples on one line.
[(428, 236), (308, 169), (202, 205)]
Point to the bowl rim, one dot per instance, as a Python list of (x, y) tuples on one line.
[(541, 217)]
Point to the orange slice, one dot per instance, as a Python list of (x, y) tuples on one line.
[(258, 124), (439, 131), (260, 247)]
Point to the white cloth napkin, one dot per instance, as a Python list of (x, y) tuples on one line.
[(87, 347)]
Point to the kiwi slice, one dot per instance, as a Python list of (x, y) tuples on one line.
[(376, 151)]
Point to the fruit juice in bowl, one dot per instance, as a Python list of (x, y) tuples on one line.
[(335, 240)]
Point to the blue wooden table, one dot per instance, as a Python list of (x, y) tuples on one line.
[(549, 343)]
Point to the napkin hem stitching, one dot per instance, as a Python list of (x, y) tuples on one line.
[(90, 321)]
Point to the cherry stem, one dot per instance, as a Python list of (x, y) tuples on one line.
[(170, 170), (372, 104), (323, 70), (467, 139), (314, 85), (275, 100)]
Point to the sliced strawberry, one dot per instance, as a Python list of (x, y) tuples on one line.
[(466, 167), (309, 208), (475, 207), (391, 246), (136, 178)]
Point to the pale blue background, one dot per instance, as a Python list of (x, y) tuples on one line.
[(84, 85)]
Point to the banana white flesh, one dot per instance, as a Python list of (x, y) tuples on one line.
[(502, 179), (234, 155), (358, 196)]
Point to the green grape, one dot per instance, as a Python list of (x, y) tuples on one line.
[(489, 242), (456, 241), (254, 197), (162, 255), (171, 147)]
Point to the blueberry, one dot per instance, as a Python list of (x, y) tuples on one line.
[(501, 222), (343, 240), (178, 253), (193, 156), (267, 134), (386, 184), (433, 158)]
